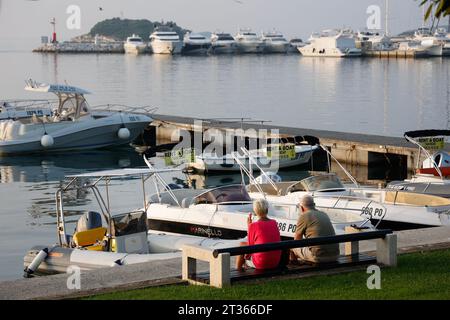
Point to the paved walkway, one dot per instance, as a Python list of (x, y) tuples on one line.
[(169, 271)]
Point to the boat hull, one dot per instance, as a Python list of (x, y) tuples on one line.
[(227, 164), (135, 49), (92, 136), (249, 47), (166, 47), (195, 49), (276, 48)]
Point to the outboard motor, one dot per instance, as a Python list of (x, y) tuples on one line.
[(88, 221)]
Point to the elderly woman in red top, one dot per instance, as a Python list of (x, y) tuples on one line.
[(264, 230)]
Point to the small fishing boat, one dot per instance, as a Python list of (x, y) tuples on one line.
[(272, 157), (65, 124), (102, 240)]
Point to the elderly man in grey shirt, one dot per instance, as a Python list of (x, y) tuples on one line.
[(313, 223)]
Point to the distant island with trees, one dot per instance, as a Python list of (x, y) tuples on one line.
[(119, 29)]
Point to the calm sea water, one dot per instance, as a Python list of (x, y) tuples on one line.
[(385, 97)]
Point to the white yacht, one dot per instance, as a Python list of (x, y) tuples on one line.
[(331, 43), (248, 42), (443, 37), (135, 45), (373, 40), (165, 41), (274, 42), (429, 39), (296, 43), (65, 124), (195, 44), (222, 43), (421, 48)]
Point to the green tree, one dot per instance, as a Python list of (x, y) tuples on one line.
[(436, 8)]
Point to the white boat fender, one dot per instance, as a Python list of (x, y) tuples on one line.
[(40, 257), (47, 141), (123, 133)]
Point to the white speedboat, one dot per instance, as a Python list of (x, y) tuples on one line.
[(135, 45), (433, 176), (428, 39), (195, 44), (385, 208), (222, 212), (222, 43), (269, 158), (65, 124), (420, 48), (165, 41), (274, 42), (443, 37), (248, 42), (103, 240), (331, 43)]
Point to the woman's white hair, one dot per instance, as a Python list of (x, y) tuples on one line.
[(261, 207)]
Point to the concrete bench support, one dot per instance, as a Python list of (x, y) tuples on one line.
[(387, 250), (351, 247), (219, 268)]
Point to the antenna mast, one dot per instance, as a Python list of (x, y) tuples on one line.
[(386, 28)]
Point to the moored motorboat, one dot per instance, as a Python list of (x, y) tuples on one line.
[(135, 45), (222, 43), (331, 43), (433, 176), (102, 240), (65, 124), (195, 44)]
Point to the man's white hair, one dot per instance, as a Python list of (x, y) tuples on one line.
[(261, 207), (308, 202)]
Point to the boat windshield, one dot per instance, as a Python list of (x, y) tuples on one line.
[(235, 193), (323, 182)]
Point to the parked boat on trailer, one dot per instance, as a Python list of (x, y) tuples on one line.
[(65, 124)]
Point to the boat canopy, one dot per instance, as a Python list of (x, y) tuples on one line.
[(233, 193), (53, 88), (427, 133)]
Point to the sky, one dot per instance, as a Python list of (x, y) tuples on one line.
[(28, 19)]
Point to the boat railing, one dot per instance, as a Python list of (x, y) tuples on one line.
[(146, 110), (24, 105)]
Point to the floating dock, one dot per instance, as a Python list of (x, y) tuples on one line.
[(397, 54)]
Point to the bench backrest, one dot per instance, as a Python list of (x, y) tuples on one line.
[(290, 244)]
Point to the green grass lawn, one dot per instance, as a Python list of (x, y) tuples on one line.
[(418, 276)]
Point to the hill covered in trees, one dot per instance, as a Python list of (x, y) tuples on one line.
[(120, 29)]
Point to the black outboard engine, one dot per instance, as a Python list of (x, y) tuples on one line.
[(88, 221)]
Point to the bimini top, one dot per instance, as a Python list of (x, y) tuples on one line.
[(53, 88), (427, 133)]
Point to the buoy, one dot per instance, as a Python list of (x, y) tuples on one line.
[(47, 141), (41, 256), (123, 133)]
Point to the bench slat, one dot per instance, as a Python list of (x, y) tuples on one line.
[(343, 261)]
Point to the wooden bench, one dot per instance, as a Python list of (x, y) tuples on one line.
[(220, 273)]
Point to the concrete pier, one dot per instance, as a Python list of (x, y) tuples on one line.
[(349, 148), (167, 272)]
